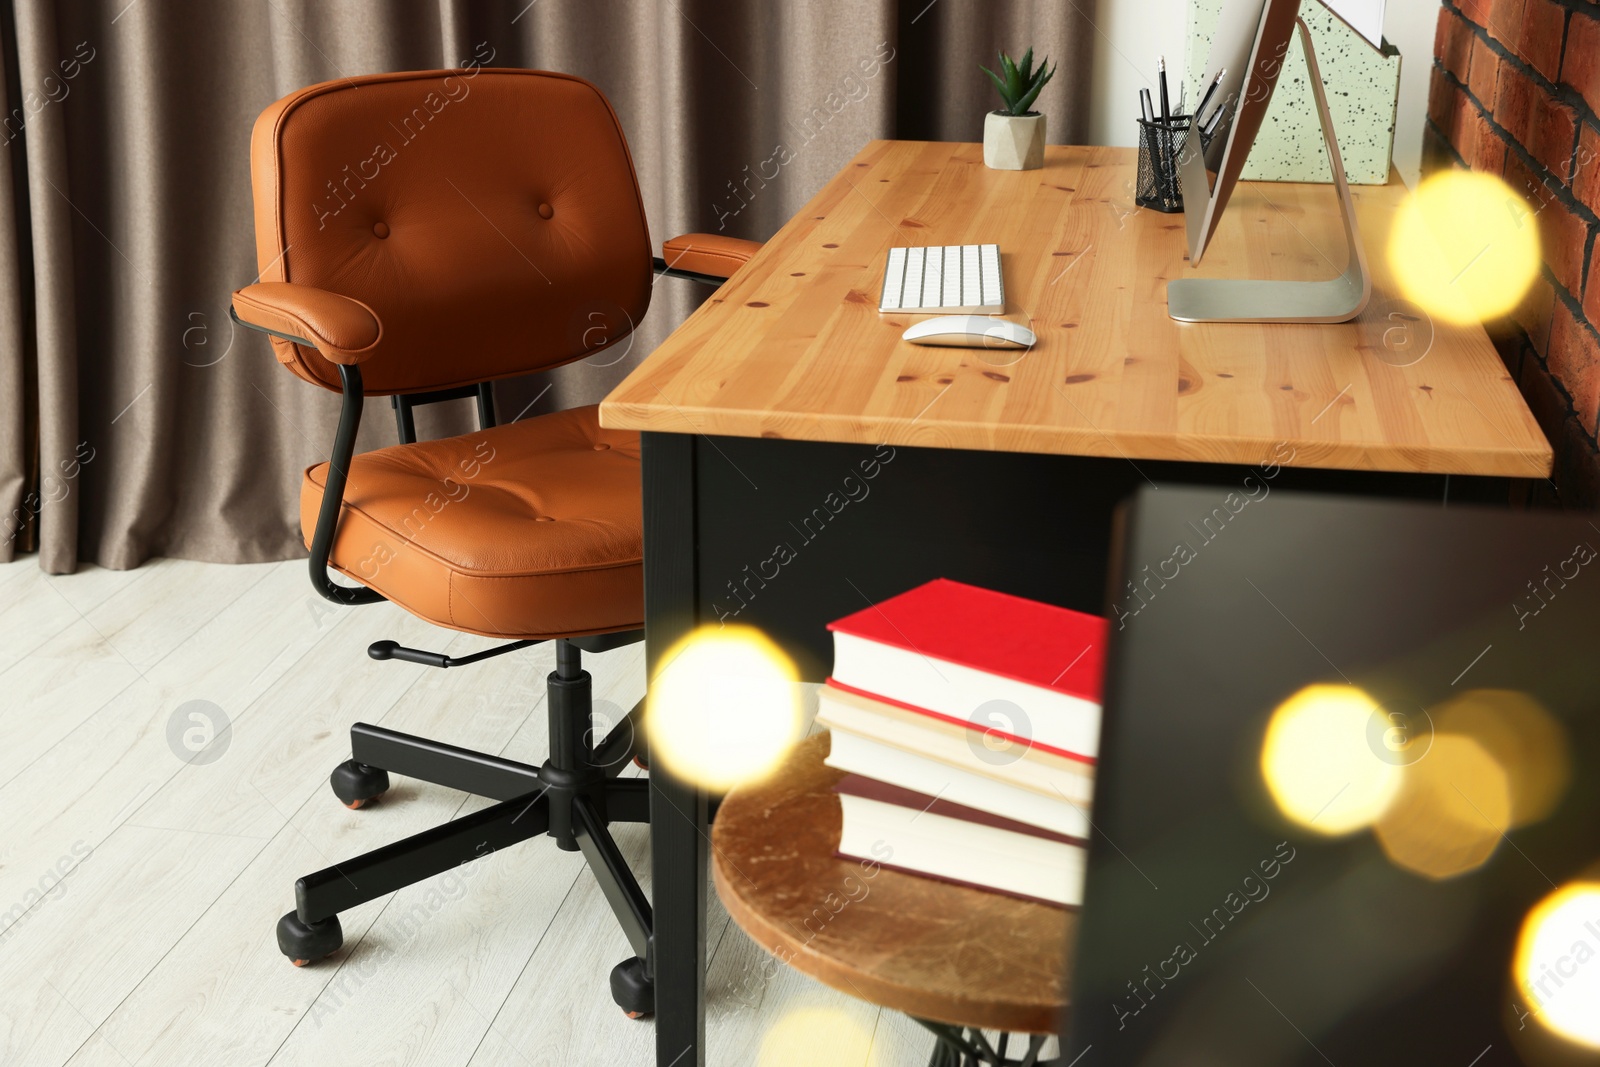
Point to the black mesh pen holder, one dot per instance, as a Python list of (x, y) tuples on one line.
[(1159, 146)]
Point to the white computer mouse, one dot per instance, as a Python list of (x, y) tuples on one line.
[(970, 331)]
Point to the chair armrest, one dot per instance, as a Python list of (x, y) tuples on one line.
[(343, 330), (708, 253)]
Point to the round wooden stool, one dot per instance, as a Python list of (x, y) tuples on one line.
[(957, 960)]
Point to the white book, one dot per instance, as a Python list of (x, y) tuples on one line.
[(960, 746), (870, 759), (955, 850)]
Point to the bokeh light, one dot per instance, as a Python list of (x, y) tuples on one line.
[(1318, 764), (1557, 963), (724, 708), (1524, 738), (1464, 247), (1451, 811), (809, 1036)]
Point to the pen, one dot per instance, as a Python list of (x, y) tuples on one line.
[(1144, 105), (1206, 99), (1216, 119), (1161, 71), (1164, 146)]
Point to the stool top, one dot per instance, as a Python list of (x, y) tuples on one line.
[(928, 948)]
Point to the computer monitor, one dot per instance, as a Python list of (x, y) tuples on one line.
[(1374, 907), (1249, 47)]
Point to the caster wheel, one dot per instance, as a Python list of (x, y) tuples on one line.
[(355, 784), (633, 991), (305, 944)]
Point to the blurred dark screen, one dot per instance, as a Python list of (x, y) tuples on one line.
[(1223, 925)]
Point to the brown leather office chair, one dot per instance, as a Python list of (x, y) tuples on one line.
[(420, 235)]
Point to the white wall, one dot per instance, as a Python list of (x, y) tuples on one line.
[(1409, 25), (1130, 34)]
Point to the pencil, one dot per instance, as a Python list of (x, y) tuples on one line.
[(1161, 72)]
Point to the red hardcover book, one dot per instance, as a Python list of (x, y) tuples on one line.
[(1018, 670)]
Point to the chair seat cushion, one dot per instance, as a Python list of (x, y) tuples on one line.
[(531, 529)]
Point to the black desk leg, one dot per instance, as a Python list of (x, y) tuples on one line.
[(679, 849), (680, 840)]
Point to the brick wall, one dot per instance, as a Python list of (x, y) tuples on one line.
[(1516, 92)]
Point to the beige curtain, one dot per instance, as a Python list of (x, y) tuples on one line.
[(135, 421)]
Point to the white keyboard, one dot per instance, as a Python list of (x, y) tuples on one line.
[(944, 280)]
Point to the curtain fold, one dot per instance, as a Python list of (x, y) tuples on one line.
[(19, 497), (137, 421)]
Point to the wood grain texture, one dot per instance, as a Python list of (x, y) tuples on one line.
[(794, 346), (924, 947)]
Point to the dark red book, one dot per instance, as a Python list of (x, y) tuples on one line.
[(857, 785)]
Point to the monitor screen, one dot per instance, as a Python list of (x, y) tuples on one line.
[(1248, 47)]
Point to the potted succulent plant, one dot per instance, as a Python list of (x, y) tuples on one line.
[(1013, 137)]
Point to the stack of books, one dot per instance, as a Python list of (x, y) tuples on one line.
[(967, 722)]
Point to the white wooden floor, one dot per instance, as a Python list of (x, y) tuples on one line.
[(138, 893)]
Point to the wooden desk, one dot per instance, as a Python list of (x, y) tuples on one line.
[(794, 346), (801, 461)]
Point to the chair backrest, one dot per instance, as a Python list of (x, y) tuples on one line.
[(491, 218)]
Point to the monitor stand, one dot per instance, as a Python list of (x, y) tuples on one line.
[(1257, 300)]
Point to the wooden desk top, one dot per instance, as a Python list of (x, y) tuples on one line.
[(924, 947), (794, 346)]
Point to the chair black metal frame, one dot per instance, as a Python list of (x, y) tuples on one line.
[(572, 797)]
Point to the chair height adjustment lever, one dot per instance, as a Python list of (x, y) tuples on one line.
[(395, 650)]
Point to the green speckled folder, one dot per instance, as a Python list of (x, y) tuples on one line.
[(1361, 85)]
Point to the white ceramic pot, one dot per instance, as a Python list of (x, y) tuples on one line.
[(1013, 142)]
